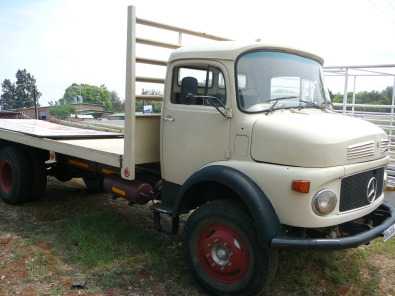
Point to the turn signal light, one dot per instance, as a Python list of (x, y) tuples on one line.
[(301, 186)]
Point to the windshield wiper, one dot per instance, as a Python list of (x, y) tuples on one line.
[(310, 103), (276, 100)]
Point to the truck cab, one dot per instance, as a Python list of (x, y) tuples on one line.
[(276, 126), (250, 130)]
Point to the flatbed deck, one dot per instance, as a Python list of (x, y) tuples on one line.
[(98, 146), (45, 129), (102, 147)]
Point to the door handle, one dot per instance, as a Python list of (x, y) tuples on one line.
[(168, 118)]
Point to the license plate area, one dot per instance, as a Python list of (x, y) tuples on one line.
[(389, 233)]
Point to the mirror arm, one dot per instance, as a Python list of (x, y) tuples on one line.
[(226, 114)]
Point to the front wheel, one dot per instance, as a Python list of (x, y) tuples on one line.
[(223, 252)]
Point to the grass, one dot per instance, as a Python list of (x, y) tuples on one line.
[(115, 247), (117, 251), (112, 245), (387, 249), (106, 239), (325, 273)]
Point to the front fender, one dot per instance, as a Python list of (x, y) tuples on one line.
[(260, 208)]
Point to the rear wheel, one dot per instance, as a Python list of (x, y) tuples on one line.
[(94, 184), (39, 181), (15, 175), (223, 251)]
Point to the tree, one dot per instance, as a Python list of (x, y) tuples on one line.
[(7, 100), (117, 104), (373, 97), (26, 89), (89, 94), (61, 111), (22, 93)]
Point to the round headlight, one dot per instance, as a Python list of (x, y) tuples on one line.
[(324, 202)]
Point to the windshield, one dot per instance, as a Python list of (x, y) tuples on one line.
[(268, 80)]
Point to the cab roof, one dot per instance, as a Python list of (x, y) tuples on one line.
[(230, 50)]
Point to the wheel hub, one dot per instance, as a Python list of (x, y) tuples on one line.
[(222, 253)]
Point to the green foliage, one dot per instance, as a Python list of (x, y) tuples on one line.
[(26, 89), (117, 104), (21, 94), (61, 111), (374, 97), (8, 95), (90, 93)]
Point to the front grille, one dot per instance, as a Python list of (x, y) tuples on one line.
[(360, 150), (353, 192), (384, 146)]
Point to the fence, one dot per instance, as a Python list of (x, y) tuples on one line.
[(382, 115)]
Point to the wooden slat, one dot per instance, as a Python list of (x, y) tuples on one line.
[(151, 61), (150, 79), (180, 30), (157, 43)]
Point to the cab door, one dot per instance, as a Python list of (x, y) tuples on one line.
[(193, 132)]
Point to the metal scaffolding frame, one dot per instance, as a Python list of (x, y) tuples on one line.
[(371, 112)]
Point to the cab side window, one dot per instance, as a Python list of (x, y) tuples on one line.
[(190, 82)]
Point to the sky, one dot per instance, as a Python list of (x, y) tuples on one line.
[(84, 41)]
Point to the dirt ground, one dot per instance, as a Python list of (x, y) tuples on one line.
[(70, 243), (74, 243)]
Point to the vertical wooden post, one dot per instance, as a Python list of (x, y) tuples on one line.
[(128, 159)]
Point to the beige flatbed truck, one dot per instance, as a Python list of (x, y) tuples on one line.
[(247, 146)]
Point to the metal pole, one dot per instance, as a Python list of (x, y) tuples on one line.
[(35, 102), (392, 111), (353, 94), (128, 158), (180, 38), (393, 97), (345, 91)]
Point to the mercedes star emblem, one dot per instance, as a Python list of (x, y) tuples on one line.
[(371, 191)]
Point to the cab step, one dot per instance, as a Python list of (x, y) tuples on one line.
[(164, 221)]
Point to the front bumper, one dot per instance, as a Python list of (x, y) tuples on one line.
[(354, 233)]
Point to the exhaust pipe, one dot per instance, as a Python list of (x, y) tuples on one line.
[(134, 191)]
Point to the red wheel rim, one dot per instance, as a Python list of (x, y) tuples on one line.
[(223, 254), (5, 176)]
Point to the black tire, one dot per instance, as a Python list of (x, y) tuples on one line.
[(223, 252), (39, 181), (94, 184), (15, 175)]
